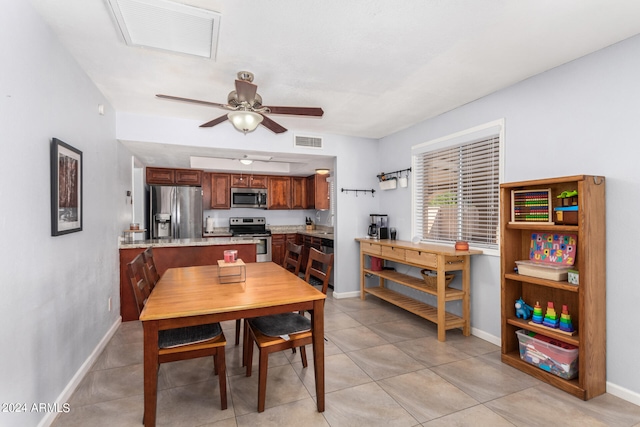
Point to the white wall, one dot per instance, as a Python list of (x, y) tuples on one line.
[(580, 118), (54, 290)]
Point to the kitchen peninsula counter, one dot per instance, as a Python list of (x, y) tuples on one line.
[(204, 241), (169, 253)]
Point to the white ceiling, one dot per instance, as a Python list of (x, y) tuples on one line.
[(374, 66)]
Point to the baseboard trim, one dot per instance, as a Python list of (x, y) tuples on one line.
[(623, 393), (341, 295), (486, 336), (75, 381)]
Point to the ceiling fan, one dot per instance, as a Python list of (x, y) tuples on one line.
[(247, 111)]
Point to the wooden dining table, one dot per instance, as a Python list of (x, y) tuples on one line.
[(190, 296)]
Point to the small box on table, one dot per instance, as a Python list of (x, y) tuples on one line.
[(231, 272)]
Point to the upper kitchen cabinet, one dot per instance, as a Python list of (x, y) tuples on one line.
[(318, 192), (299, 192), (248, 181), (169, 176), (220, 194), (279, 192)]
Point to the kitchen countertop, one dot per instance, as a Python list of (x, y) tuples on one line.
[(322, 231), (205, 241)]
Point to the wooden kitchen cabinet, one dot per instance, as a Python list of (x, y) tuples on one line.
[(318, 194), (169, 176), (586, 301), (279, 192), (299, 192), (220, 191), (161, 176), (189, 177), (278, 247), (248, 181)]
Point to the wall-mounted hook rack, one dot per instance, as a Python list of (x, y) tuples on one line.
[(347, 190), (395, 174)]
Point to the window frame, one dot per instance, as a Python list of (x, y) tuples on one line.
[(477, 133)]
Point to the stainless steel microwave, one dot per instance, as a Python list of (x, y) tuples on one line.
[(249, 198)]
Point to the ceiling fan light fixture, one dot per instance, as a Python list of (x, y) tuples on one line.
[(245, 121)]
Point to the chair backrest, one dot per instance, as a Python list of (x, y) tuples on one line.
[(151, 267), (293, 258), (138, 276), (319, 266)]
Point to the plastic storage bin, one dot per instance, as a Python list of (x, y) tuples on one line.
[(548, 354), (543, 271)]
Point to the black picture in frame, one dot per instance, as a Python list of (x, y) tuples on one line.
[(66, 188)]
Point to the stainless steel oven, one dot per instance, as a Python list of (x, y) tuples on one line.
[(253, 229)]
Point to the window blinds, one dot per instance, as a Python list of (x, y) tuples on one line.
[(456, 193)]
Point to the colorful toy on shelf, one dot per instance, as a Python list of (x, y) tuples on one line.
[(537, 313), (569, 198), (551, 318), (565, 320), (523, 310)]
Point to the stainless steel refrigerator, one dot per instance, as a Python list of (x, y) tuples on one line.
[(175, 212)]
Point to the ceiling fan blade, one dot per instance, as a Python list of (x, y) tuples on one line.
[(193, 101), (297, 111), (246, 91), (271, 125), (214, 122)]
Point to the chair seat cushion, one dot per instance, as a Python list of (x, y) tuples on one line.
[(276, 325), (188, 335)]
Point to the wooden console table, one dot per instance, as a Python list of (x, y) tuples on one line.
[(439, 258)]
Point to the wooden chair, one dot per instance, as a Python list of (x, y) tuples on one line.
[(266, 331), (292, 262), (154, 276), (182, 343), (293, 258)]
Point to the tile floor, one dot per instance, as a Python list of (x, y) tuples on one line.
[(384, 367)]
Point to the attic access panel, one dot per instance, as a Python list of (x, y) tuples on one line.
[(169, 26)]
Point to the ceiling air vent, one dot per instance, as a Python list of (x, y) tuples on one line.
[(307, 141), (166, 25)]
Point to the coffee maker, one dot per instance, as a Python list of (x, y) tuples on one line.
[(378, 227)]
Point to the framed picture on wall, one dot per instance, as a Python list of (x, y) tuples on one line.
[(66, 188)]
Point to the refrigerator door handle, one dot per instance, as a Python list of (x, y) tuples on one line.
[(176, 204)]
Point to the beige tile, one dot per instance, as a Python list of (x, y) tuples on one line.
[(109, 384), (384, 361), (426, 395), (125, 412), (191, 405), (283, 386), (118, 354), (184, 372), (339, 320), (299, 413), (431, 352), (477, 416), (550, 405), (340, 372), (365, 405), (481, 380), (354, 304), (355, 338), (375, 315), (470, 345), (401, 330)]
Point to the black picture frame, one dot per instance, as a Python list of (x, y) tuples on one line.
[(66, 188)]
